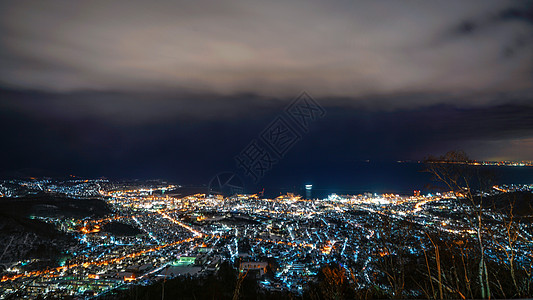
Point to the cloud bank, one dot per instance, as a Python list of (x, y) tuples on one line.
[(270, 48)]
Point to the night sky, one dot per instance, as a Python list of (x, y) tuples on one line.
[(133, 89)]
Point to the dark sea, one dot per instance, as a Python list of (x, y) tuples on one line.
[(374, 177)]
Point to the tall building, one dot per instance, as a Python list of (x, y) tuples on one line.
[(308, 191)]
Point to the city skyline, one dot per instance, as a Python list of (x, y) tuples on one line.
[(247, 149)]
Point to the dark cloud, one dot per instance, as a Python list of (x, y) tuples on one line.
[(521, 12), (68, 138), (519, 17), (518, 45), (132, 87), (524, 13), (466, 27), (272, 49)]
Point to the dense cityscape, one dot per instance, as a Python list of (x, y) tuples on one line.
[(282, 243), (266, 150)]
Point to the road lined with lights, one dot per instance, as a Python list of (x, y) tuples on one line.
[(96, 263), (195, 232)]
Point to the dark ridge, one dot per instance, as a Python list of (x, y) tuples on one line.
[(23, 238), (121, 229), (46, 205)]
